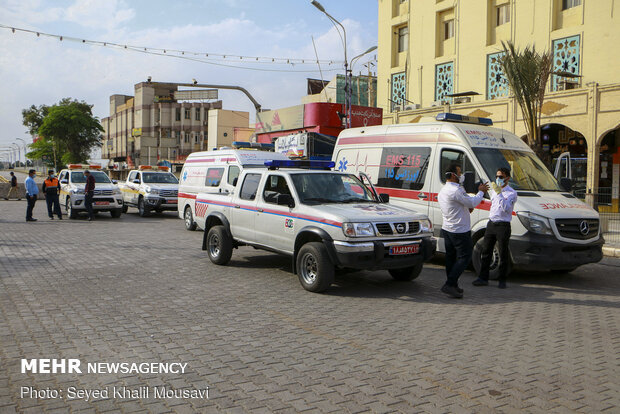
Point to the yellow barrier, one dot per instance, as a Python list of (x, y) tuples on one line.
[(3, 180)]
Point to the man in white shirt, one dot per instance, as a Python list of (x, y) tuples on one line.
[(503, 199), (456, 206)]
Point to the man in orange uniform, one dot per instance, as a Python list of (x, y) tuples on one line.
[(51, 188)]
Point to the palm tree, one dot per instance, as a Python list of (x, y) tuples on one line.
[(527, 73)]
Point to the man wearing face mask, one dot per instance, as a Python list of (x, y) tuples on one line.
[(51, 188), (503, 199), (455, 206)]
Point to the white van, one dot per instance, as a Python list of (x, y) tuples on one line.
[(215, 171), (552, 230)]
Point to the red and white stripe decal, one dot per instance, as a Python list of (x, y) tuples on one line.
[(186, 195)]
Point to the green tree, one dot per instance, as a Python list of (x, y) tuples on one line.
[(46, 151), (33, 118), (527, 73)]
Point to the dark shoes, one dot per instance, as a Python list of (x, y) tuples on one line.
[(502, 285), (31, 219), (59, 217), (52, 218), (480, 282), (453, 291)]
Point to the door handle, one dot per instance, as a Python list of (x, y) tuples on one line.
[(237, 206), (260, 210), (422, 196)]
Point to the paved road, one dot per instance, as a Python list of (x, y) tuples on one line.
[(141, 290)]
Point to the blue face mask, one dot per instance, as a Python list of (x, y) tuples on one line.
[(499, 181)]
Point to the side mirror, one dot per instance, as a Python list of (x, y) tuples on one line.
[(385, 198), (64, 181), (470, 184), (136, 181), (114, 182), (234, 183), (285, 200), (566, 183)]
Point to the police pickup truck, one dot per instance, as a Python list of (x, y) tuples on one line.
[(323, 219), (149, 189)]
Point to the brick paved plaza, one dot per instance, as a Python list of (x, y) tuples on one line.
[(141, 290)]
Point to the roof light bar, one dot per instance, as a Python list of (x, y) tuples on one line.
[(255, 145), (450, 117), (318, 165)]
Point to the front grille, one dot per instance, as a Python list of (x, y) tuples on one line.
[(103, 192), (110, 200), (388, 229), (576, 228), (168, 193)]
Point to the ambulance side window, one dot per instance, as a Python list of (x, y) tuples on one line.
[(450, 156), (249, 187), (275, 185), (404, 167), (233, 172), (132, 176), (214, 177)]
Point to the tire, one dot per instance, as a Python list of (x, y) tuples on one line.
[(314, 269), (188, 217), (407, 274), (219, 245), (116, 213), (125, 208), (71, 213), (143, 210), (495, 261)]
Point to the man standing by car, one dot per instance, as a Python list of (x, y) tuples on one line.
[(503, 199), (89, 192), (32, 192), (455, 206), (13, 189), (51, 188)]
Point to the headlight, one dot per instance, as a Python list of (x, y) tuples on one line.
[(151, 190), (77, 191), (535, 223), (117, 191), (426, 226), (358, 229)]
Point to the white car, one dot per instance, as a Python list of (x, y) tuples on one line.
[(107, 196)]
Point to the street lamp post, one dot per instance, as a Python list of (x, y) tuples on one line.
[(347, 85), (19, 157), (25, 159)]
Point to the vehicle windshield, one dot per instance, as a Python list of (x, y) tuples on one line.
[(159, 178), (330, 188), (77, 177), (527, 170)]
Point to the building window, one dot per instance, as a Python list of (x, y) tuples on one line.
[(448, 29), (197, 114), (565, 60), (178, 114), (399, 89), (403, 39), (569, 4), (443, 81), (187, 113), (502, 15), (157, 115), (497, 84), (186, 138)]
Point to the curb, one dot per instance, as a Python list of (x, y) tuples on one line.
[(611, 251)]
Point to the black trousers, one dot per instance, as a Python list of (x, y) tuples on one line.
[(459, 247), (496, 232), (31, 201), (88, 203), (53, 205)]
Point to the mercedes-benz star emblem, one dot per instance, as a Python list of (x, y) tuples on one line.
[(400, 227), (584, 228)]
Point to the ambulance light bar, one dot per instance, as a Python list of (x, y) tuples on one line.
[(450, 117), (84, 167), (255, 145), (317, 165), (145, 167)]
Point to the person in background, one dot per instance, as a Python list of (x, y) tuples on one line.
[(13, 190), (32, 192), (503, 199), (455, 206), (89, 192), (51, 188)]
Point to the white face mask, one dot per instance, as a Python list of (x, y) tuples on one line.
[(461, 179)]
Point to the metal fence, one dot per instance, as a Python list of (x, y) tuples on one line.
[(610, 221)]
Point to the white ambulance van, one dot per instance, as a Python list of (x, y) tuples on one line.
[(551, 229), (215, 171)]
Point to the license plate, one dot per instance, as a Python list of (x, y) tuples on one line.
[(171, 201), (402, 250), (102, 203)]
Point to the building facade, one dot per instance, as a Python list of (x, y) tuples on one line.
[(152, 126), (363, 90), (443, 56)]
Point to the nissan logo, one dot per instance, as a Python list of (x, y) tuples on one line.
[(400, 228), (584, 228)]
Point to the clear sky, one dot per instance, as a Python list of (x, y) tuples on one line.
[(43, 70)]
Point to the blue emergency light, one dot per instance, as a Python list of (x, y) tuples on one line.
[(256, 145), (449, 117), (317, 165)]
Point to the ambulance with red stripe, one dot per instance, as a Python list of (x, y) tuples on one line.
[(215, 171), (322, 219), (551, 228)]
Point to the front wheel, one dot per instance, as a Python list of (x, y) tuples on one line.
[(314, 269), (189, 219), (495, 261), (408, 273), (219, 245), (116, 213), (71, 213), (143, 210)]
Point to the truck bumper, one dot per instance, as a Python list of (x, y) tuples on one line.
[(375, 255), (541, 253), (161, 203), (99, 203)]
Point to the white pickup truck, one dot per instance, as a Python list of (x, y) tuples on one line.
[(150, 189), (322, 219)]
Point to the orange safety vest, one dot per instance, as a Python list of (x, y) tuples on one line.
[(51, 183)]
